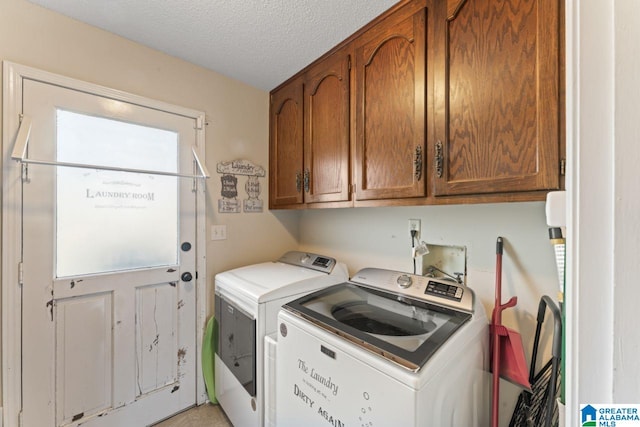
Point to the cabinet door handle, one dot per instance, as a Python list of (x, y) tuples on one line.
[(306, 180), (298, 182), (417, 163), (438, 159)]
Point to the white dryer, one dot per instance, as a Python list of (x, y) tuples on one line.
[(247, 301), (384, 349)]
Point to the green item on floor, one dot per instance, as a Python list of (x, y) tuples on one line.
[(208, 351)]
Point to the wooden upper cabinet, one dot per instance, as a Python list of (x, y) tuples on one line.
[(326, 130), (390, 73), (435, 101), (496, 97), (286, 145)]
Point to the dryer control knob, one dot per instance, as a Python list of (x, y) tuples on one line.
[(404, 281)]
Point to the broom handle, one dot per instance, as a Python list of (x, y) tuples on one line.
[(497, 321), (498, 291)]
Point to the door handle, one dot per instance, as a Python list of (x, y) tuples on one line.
[(186, 277), (417, 163), (306, 180), (298, 182), (438, 159)]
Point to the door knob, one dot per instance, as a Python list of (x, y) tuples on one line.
[(186, 277)]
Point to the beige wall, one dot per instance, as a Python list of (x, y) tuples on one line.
[(237, 114)]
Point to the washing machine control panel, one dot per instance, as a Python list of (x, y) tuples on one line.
[(444, 290), (439, 291)]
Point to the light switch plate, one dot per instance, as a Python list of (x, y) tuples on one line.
[(218, 232)]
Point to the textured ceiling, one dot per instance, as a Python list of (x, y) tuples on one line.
[(259, 42)]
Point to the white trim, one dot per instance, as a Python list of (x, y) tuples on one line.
[(30, 73), (591, 142), (570, 300), (11, 238), (13, 75), (626, 245), (201, 265)]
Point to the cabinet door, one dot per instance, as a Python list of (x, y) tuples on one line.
[(326, 130), (390, 108), (496, 97), (285, 145)]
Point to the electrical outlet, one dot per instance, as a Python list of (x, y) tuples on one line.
[(218, 232), (414, 224)]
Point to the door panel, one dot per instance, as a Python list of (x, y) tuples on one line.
[(497, 98), (112, 341), (157, 362), (84, 355), (326, 130), (390, 67), (285, 147)]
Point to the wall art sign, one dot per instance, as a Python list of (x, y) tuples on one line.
[(229, 192), (230, 171)]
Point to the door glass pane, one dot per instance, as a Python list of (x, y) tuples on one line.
[(112, 221)]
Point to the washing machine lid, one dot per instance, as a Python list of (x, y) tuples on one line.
[(295, 273), (404, 330)]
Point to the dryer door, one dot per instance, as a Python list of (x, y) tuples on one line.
[(237, 342)]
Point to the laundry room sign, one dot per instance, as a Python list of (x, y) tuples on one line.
[(230, 171)]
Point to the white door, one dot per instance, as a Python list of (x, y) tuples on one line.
[(109, 262)]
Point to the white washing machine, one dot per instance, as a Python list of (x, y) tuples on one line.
[(384, 349), (247, 301)]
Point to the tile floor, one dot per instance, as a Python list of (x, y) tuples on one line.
[(206, 415)]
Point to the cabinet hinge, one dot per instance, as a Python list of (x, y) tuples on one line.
[(349, 63), (353, 189), (20, 274), (563, 167)]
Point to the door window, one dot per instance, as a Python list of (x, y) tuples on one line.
[(108, 220)]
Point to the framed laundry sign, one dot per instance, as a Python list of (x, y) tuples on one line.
[(230, 171)]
